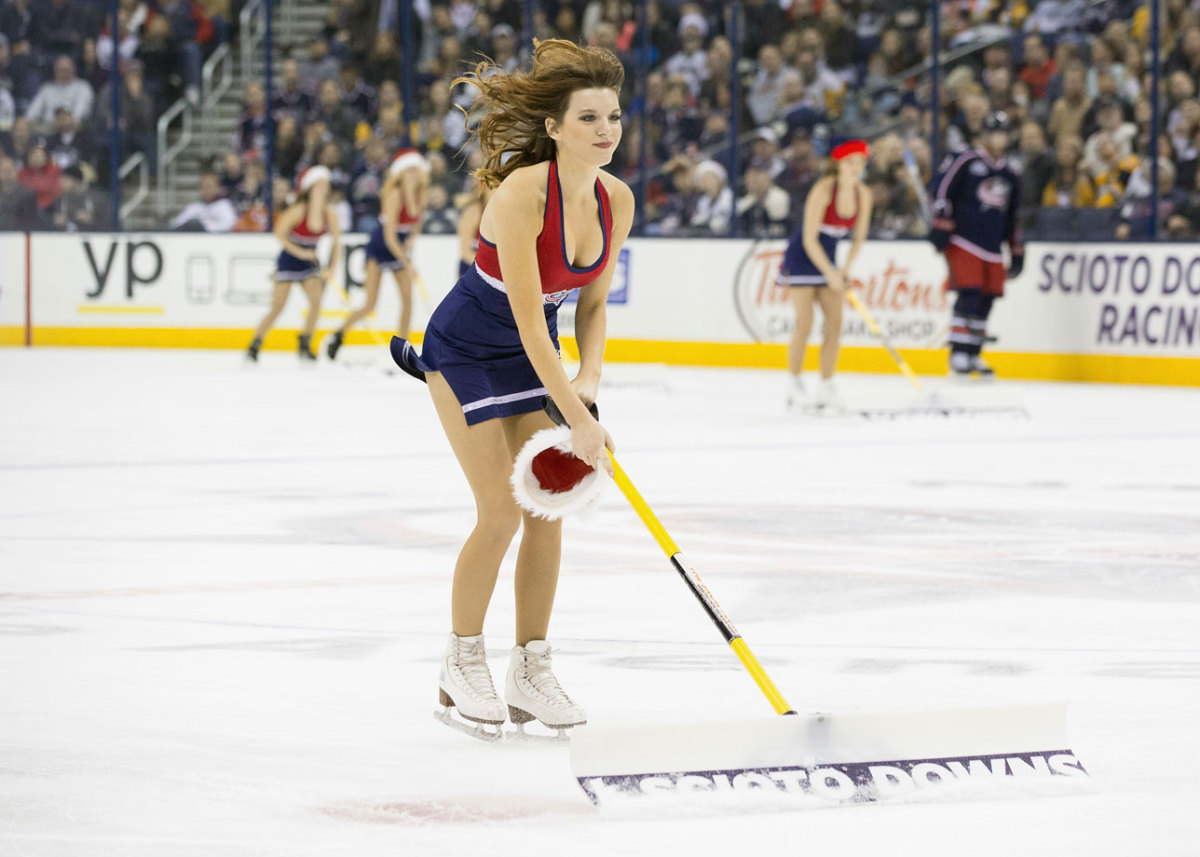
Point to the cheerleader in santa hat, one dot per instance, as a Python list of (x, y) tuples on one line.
[(299, 227), (837, 206), (402, 207)]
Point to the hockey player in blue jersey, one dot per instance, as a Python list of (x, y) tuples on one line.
[(974, 211)]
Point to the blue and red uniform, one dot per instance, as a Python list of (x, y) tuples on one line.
[(377, 248), (472, 338), (798, 269), (292, 269)]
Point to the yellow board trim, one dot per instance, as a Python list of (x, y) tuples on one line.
[(1103, 368)]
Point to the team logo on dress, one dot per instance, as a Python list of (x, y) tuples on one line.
[(994, 193), (764, 306)]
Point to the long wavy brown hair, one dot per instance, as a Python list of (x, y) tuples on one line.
[(513, 107)]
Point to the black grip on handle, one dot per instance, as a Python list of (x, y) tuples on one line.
[(555, 414)]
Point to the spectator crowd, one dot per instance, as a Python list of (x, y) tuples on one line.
[(1073, 76)]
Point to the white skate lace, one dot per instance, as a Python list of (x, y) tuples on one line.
[(543, 681), (471, 662)]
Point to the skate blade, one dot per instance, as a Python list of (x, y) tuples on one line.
[(490, 732)]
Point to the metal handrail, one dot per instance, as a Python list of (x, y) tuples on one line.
[(167, 153), (252, 11), (210, 92), (136, 161)]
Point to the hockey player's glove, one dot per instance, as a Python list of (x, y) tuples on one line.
[(939, 235), (1017, 265)]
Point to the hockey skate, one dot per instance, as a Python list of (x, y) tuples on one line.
[(981, 370), (533, 693), (334, 344), (465, 684)]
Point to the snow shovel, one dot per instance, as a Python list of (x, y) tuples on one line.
[(820, 758)]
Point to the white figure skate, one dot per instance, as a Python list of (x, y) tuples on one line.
[(465, 683), (533, 693)]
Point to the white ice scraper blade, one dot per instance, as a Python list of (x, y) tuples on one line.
[(833, 757)]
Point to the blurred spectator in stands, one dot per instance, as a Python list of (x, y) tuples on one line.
[(714, 91), (450, 121), (841, 42), (127, 42), (1069, 186), (350, 25), (997, 59), (232, 174), (16, 143), (894, 52), (762, 23), (185, 38), (41, 175), (89, 68), (1183, 132), (766, 93), (677, 124), (439, 27), (691, 61), (252, 128), (18, 204), (212, 212), (69, 145), (363, 190), (715, 136), (290, 98), (1109, 118), (289, 147), (16, 22), (66, 90), (58, 26), (713, 209), (1066, 116), (675, 211), (1180, 88), (1185, 57), (1037, 68), (896, 211), (216, 13), (441, 174), (800, 171), (317, 65), (967, 124), (390, 129), (1035, 162), (1102, 61), (158, 56), (18, 72), (332, 156), (764, 146), (504, 47), (1138, 206), (330, 111), (441, 217), (383, 61), (8, 109), (762, 212), (1106, 88), (566, 24), (78, 208), (1110, 170), (357, 97), (1183, 223), (477, 39), (823, 90)]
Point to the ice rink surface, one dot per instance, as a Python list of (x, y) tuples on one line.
[(224, 592)]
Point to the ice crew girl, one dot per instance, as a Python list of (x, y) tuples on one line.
[(299, 227), (389, 247), (555, 225), (837, 206)]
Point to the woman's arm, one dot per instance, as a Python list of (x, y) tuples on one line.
[(335, 232), (516, 214), (814, 212), (591, 316), (862, 223), (283, 229), (468, 228), (389, 205)]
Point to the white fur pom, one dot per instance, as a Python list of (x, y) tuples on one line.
[(548, 504)]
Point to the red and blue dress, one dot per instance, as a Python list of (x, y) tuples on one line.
[(293, 269), (472, 338), (798, 269)]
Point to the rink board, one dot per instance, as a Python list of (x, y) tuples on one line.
[(1099, 312)]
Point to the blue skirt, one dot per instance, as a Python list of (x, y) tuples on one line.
[(472, 339), (377, 249), (289, 269), (798, 269)]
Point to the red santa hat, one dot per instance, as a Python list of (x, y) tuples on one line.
[(851, 147), (549, 481), (406, 159)]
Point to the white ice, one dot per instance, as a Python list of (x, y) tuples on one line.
[(223, 594)]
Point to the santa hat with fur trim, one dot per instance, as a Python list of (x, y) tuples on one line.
[(549, 481), (311, 176), (407, 158)]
